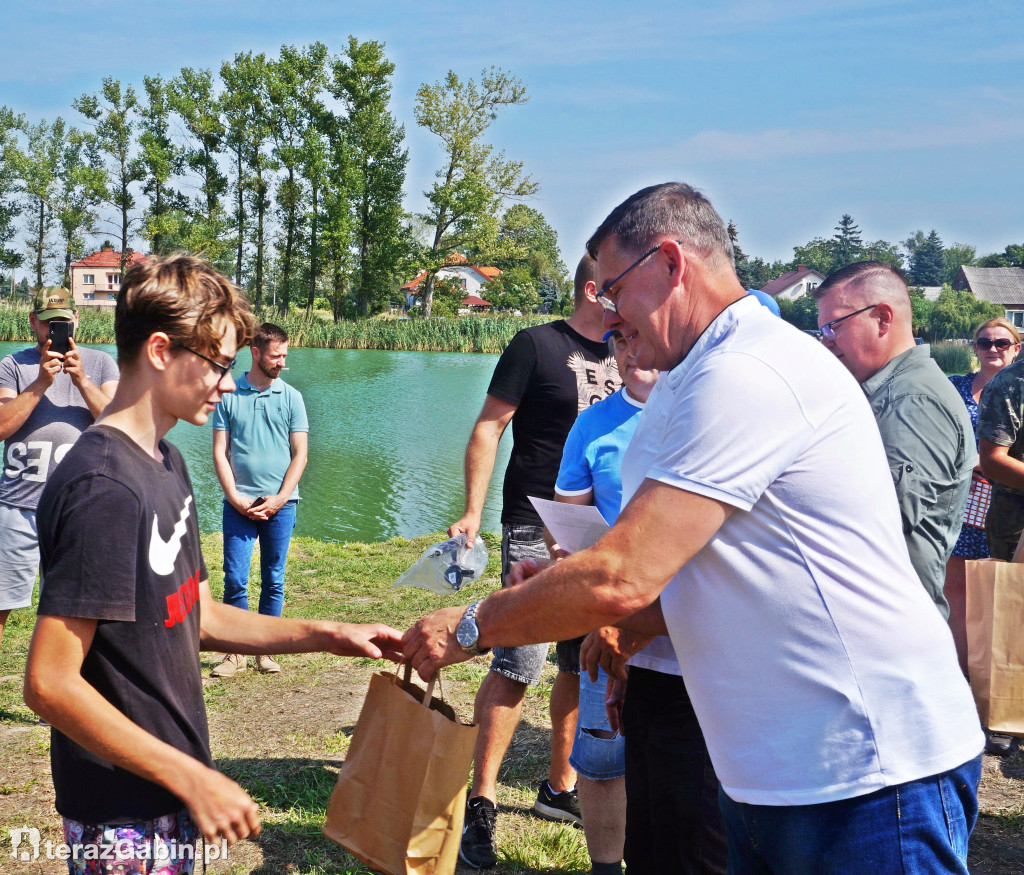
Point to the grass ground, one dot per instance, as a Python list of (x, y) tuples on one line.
[(284, 737)]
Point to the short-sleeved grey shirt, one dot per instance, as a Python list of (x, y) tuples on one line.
[(33, 451), (929, 442)]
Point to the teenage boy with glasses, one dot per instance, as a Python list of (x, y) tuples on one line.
[(114, 660)]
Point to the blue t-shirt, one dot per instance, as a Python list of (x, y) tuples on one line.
[(260, 425), (592, 458)]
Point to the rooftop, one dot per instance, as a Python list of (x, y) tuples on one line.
[(783, 282), (1000, 285), (108, 258)]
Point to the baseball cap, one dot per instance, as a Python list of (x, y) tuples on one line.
[(54, 302)]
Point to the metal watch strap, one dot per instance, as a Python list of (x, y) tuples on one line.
[(470, 615)]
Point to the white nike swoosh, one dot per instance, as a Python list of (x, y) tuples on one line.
[(162, 554)]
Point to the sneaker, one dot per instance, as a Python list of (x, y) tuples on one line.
[(477, 847), (564, 806), (233, 663), (266, 665), (1001, 745)]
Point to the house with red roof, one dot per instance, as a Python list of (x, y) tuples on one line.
[(794, 284), (469, 276), (96, 279)]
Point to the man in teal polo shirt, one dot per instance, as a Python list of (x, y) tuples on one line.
[(259, 452)]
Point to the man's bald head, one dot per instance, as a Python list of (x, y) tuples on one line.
[(874, 280), (865, 310)]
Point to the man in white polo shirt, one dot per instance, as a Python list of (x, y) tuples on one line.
[(761, 511)]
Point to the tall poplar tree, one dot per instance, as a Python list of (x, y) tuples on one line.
[(10, 208), (114, 112), (377, 160), (191, 95), (247, 134), (82, 186), (474, 181), (288, 122), (38, 169), (162, 161), (320, 140)]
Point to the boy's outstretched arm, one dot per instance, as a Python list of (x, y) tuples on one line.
[(226, 628)]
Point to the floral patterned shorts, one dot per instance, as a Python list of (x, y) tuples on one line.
[(165, 846)]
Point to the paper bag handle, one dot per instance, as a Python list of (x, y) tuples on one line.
[(430, 685)]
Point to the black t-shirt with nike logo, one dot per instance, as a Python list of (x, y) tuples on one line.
[(119, 543)]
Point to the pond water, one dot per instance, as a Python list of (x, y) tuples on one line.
[(387, 434)]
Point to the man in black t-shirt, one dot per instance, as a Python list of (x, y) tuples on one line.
[(545, 377), (114, 661)]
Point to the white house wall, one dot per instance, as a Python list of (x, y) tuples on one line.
[(472, 278)]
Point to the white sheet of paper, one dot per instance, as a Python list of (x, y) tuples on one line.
[(574, 526)]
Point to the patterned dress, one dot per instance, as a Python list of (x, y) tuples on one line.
[(971, 544)]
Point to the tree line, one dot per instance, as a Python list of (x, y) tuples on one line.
[(922, 258), (287, 172)]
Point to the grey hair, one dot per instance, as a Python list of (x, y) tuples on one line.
[(672, 209)]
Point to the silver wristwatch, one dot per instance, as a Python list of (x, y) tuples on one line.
[(467, 633)]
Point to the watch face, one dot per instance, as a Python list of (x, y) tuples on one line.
[(467, 633)]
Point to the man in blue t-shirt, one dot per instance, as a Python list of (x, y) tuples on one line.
[(591, 473), (259, 451)]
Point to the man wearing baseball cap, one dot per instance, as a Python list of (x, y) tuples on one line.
[(76, 386)]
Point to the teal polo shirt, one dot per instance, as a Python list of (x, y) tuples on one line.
[(260, 425)]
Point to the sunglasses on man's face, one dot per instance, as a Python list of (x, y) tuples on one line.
[(1000, 343)]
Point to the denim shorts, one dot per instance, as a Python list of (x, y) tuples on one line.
[(599, 759), (522, 664), (19, 556)]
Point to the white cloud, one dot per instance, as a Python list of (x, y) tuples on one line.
[(711, 147)]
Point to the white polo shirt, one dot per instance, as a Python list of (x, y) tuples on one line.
[(817, 665)]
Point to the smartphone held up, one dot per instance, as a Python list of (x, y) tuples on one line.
[(61, 333)]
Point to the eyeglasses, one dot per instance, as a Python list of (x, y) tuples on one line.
[(223, 370), (828, 331), (602, 296), (1000, 343)]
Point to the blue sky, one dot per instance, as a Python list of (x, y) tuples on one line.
[(906, 114)]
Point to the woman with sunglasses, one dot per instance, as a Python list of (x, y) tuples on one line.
[(996, 344)]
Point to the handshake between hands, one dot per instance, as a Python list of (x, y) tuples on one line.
[(431, 643)]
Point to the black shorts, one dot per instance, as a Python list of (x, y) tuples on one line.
[(1004, 523), (673, 822)]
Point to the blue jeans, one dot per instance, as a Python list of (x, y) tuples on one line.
[(920, 827), (594, 757), (240, 534)]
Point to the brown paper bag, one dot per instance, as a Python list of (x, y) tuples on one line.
[(995, 642), (401, 795)]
